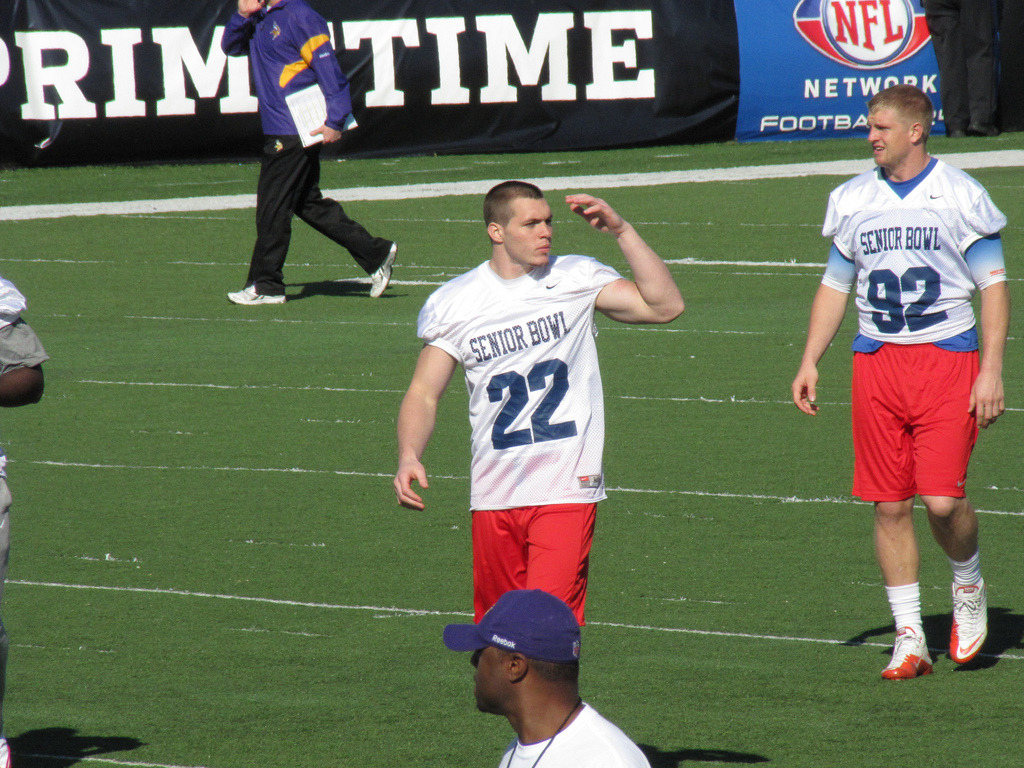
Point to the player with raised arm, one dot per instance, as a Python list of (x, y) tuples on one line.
[(522, 327), (917, 239)]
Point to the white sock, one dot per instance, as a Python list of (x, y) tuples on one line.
[(968, 572), (905, 602)]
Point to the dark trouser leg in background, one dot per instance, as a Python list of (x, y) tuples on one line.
[(328, 218), (284, 175)]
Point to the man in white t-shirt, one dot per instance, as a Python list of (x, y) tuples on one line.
[(526, 652), (522, 327), (917, 239)]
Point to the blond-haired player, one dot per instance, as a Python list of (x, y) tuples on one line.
[(916, 239)]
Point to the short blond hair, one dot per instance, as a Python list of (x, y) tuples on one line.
[(910, 104)]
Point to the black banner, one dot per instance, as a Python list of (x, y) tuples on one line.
[(135, 80)]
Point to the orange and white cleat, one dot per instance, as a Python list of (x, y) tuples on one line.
[(910, 657), (970, 621)]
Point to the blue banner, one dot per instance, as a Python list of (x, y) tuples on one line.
[(809, 67)]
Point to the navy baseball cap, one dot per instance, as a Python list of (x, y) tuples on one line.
[(527, 621)]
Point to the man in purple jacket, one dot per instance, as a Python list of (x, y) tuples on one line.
[(289, 49)]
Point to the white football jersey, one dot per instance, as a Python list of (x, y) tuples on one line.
[(535, 400), (12, 302), (589, 741), (913, 283)]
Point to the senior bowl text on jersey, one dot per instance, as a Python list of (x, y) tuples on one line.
[(514, 338)]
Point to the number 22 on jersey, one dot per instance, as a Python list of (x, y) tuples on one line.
[(520, 391)]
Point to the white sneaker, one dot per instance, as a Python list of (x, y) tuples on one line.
[(910, 657), (248, 295), (970, 621), (379, 280), (5, 753)]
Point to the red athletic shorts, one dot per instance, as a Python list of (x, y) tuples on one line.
[(912, 432), (545, 547)]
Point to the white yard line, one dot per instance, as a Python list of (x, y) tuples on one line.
[(964, 160), (461, 478), (395, 611), (70, 760), (733, 400)]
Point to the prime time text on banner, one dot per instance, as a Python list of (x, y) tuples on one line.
[(81, 81), (809, 67)]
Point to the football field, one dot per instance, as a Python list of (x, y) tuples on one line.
[(209, 568)]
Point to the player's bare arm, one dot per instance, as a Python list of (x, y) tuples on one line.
[(827, 313), (652, 296), (987, 402), (416, 419)]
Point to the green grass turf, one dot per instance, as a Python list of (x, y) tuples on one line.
[(209, 567)]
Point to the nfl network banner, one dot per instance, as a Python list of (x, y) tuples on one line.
[(96, 80), (809, 67)]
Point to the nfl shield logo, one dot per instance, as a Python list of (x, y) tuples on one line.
[(863, 34)]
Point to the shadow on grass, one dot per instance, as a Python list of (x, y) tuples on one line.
[(1005, 633), (661, 759), (334, 288), (50, 747)]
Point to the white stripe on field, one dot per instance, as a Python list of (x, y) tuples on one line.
[(308, 388), (240, 598), (783, 638), (106, 760), (354, 473), (411, 324), (732, 399), (785, 499), (201, 468), (432, 612), (965, 160), (282, 388), (287, 320), (187, 385), (718, 263)]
